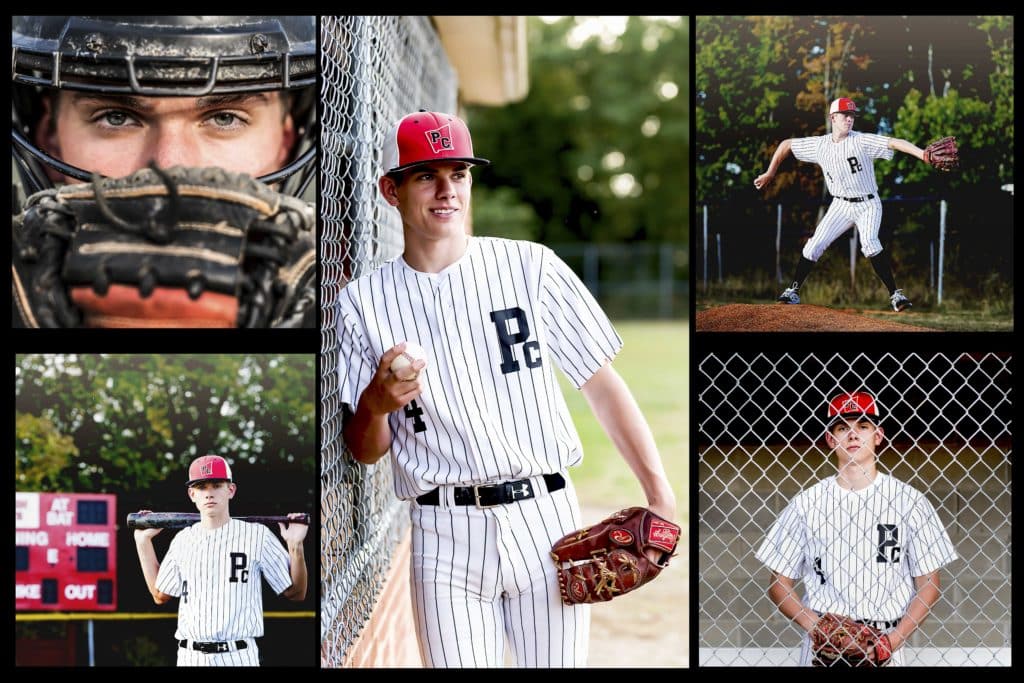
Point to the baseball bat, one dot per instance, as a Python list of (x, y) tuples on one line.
[(182, 520)]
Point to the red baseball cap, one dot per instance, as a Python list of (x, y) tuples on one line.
[(843, 105), (859, 404), (208, 468), (427, 136)]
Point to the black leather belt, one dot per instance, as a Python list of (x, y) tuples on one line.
[(212, 648), (489, 495), (880, 625), (857, 199)]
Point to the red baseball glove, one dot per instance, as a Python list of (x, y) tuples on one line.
[(606, 560), (943, 154), (843, 642)]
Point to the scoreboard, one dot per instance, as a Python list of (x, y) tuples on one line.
[(65, 551)]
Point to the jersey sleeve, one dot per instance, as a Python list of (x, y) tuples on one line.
[(168, 578), (274, 562), (783, 548), (929, 547), (581, 338), (876, 146), (356, 363), (805, 149)]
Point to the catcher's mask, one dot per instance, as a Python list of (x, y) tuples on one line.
[(162, 57)]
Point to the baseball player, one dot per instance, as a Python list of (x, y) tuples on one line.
[(215, 567), (847, 159), (111, 95), (479, 433), (866, 545)]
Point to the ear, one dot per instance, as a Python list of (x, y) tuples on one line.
[(191, 494), (388, 189), (879, 435), (231, 490), (830, 440)]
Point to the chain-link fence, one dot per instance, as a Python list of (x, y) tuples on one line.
[(947, 433), (375, 69)]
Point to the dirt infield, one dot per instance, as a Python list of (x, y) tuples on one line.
[(789, 318)]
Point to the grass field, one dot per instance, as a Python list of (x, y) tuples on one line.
[(655, 364)]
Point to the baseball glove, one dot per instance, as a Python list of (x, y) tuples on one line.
[(606, 560), (943, 154), (178, 247), (843, 642)]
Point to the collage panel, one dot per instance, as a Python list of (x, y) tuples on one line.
[(501, 197), (866, 493), (853, 170), (163, 510), (164, 171)]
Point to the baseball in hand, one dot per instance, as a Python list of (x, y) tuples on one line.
[(413, 352)]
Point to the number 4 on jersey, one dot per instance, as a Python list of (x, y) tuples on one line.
[(414, 413)]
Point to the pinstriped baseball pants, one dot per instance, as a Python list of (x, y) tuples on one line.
[(841, 215), (481, 575)]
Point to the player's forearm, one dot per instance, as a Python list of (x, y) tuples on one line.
[(368, 436), (620, 416), (297, 561), (150, 566), (906, 147), (783, 593), (928, 592), (780, 153)]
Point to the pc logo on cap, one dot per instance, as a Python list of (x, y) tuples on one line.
[(843, 105), (427, 136), (858, 404), (208, 467)]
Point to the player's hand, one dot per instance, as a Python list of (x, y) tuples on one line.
[(145, 534), (763, 179), (387, 392), (293, 532)]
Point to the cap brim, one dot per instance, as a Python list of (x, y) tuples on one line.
[(476, 161), (873, 419), (193, 482)]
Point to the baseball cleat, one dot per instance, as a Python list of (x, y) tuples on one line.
[(789, 296), (899, 301)]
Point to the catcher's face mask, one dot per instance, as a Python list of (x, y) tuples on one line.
[(162, 57)]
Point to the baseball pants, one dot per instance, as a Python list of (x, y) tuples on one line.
[(250, 656), (841, 214)]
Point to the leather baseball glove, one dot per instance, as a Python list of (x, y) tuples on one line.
[(606, 560), (943, 154), (178, 247), (840, 641)]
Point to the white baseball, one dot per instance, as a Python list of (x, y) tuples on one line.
[(413, 352)]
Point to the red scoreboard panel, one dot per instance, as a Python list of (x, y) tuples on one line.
[(65, 551)]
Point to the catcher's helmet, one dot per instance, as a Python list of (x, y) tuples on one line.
[(858, 404), (162, 57), (843, 105), (426, 136), (208, 468)]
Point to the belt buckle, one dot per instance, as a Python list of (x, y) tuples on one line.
[(476, 496), (221, 647)]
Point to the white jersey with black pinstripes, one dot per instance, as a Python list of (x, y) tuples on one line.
[(492, 324), (216, 574), (858, 551), (848, 165)]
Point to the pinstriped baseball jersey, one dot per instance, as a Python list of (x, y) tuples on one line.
[(848, 165), (858, 551), (493, 324), (216, 574)]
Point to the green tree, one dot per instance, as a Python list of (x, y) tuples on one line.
[(111, 422), (599, 148)]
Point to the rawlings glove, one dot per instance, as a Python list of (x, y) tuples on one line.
[(608, 559), (943, 154), (179, 247), (843, 642)]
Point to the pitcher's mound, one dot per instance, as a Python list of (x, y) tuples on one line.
[(793, 318)]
